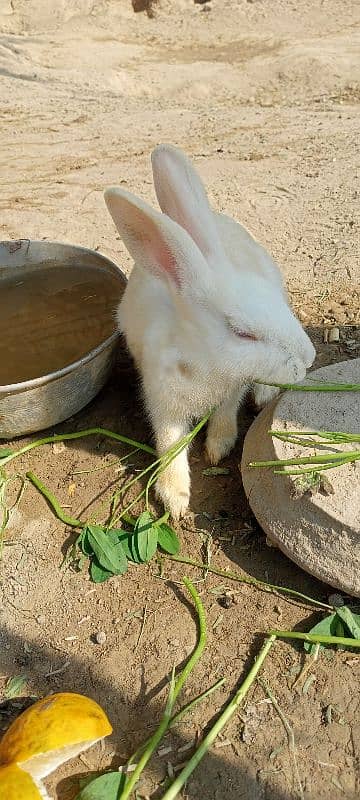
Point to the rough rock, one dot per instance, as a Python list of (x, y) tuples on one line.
[(320, 531)]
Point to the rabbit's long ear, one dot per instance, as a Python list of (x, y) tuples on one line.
[(154, 240), (182, 197)]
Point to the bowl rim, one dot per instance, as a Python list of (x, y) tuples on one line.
[(33, 383)]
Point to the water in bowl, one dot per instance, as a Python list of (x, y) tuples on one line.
[(52, 317)]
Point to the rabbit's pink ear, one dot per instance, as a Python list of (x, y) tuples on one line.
[(182, 197), (152, 239)]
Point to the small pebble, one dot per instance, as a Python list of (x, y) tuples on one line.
[(41, 619), (334, 335), (58, 447), (100, 637), (225, 601), (336, 600)]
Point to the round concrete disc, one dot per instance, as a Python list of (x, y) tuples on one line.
[(319, 530)]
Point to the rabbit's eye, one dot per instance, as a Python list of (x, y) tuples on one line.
[(241, 333)]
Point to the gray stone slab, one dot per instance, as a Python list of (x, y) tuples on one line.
[(319, 531)]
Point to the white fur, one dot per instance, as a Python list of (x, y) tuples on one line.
[(197, 276)]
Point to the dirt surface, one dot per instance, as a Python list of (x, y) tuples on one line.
[(265, 98)]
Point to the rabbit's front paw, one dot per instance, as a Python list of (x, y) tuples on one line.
[(173, 488), (264, 394), (221, 437)]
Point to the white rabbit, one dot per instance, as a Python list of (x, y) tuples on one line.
[(204, 313)]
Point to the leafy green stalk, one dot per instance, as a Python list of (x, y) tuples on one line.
[(262, 585), (63, 437), (314, 638), (54, 503), (330, 459), (152, 744), (314, 463), (174, 451), (116, 516), (224, 718), (316, 387), (195, 701), (173, 694), (326, 437), (179, 715), (156, 468), (320, 468), (199, 649)]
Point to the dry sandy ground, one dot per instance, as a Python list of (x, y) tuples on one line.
[(265, 98)]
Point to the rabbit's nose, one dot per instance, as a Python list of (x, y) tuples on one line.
[(307, 350), (310, 355)]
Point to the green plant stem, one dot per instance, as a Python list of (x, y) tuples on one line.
[(262, 585), (314, 638), (224, 718), (318, 468), (194, 702), (57, 509), (54, 503), (63, 437), (332, 437), (115, 516), (316, 387), (178, 716), (199, 649), (152, 744), (174, 451), (315, 463), (323, 459), (156, 468), (176, 688)]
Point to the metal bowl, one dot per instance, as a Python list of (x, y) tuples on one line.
[(42, 402)]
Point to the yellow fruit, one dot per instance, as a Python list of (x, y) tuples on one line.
[(52, 731), (17, 785)]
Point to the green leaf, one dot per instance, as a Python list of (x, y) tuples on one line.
[(6, 451), (212, 472), (356, 618), (126, 539), (107, 549), (145, 536), (167, 539), (15, 686), (107, 787), (97, 573), (81, 562), (327, 627), (83, 542), (350, 620)]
